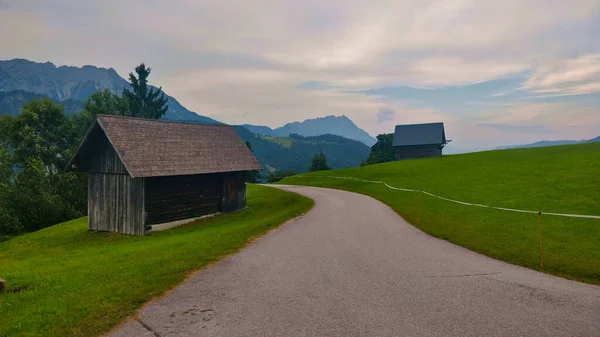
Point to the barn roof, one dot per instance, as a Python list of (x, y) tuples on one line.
[(419, 134), (151, 148)]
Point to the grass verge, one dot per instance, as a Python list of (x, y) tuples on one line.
[(561, 179), (66, 281)]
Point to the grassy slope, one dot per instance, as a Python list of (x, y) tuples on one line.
[(80, 283), (283, 141), (554, 179)]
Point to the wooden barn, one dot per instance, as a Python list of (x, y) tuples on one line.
[(413, 141), (146, 172)]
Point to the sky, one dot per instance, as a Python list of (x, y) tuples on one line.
[(495, 72)]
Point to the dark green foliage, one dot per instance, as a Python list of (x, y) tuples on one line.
[(42, 132), (295, 153), (273, 177), (6, 170), (102, 102), (34, 190), (252, 176), (9, 224), (144, 101), (105, 102), (382, 151), (319, 163), (36, 198)]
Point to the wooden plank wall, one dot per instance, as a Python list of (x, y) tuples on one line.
[(182, 197), (234, 191), (414, 152), (107, 160), (115, 200), (116, 203)]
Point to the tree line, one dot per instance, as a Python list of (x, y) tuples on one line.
[(35, 146), (318, 163)]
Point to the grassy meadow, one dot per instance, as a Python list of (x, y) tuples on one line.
[(66, 281), (559, 179)]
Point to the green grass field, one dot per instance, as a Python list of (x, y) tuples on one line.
[(66, 281), (561, 179), (283, 141)]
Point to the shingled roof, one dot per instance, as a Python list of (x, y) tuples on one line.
[(419, 134), (152, 148)]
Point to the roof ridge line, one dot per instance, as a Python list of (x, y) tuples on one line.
[(160, 120)]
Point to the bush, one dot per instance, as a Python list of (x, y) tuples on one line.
[(9, 224)]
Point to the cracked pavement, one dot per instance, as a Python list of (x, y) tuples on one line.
[(352, 267)]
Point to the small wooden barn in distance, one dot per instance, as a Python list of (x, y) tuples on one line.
[(144, 172), (413, 141)]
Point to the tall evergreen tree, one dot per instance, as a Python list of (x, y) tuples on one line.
[(319, 163), (144, 101)]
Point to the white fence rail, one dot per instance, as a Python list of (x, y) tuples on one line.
[(461, 202)]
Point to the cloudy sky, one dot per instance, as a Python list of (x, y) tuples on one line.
[(496, 72)]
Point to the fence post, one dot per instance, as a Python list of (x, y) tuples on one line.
[(540, 238)]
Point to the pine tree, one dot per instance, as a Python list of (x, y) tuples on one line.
[(319, 163), (144, 101)]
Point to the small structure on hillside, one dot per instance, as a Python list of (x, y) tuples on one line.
[(413, 141), (145, 172)]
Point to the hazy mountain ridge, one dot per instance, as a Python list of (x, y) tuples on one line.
[(544, 143), (11, 102), (68, 85), (340, 152), (335, 125)]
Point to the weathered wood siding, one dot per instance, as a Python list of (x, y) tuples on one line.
[(174, 198), (234, 191), (116, 203), (414, 152), (106, 160), (115, 200)]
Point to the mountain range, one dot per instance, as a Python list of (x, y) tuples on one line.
[(545, 143), (336, 125), (290, 147), (21, 80)]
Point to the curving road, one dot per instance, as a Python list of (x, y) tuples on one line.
[(353, 267)]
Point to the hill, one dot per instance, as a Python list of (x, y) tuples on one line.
[(545, 143), (295, 153), (21, 79), (559, 179), (336, 125)]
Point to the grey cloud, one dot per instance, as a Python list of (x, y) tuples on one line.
[(385, 115)]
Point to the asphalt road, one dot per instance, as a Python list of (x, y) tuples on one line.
[(353, 267)]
